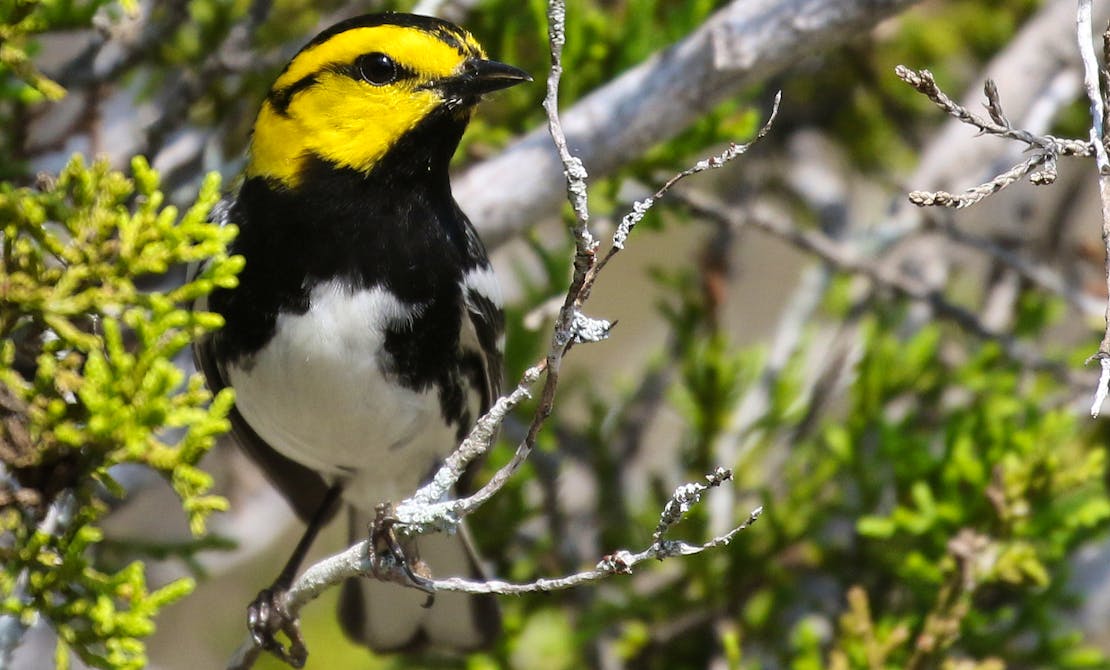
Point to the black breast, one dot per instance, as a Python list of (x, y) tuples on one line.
[(397, 228), (413, 244)]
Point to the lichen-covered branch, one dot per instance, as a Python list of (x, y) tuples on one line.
[(1041, 167), (1092, 74), (745, 43), (427, 510), (360, 560)]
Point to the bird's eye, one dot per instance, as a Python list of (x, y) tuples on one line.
[(377, 68)]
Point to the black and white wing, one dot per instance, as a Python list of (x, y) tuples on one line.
[(484, 329)]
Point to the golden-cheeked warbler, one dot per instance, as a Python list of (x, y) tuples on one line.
[(364, 337)]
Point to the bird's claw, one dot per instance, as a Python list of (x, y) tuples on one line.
[(267, 616), (406, 568)]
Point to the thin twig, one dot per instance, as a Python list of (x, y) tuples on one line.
[(1091, 70), (641, 207), (427, 509), (923, 82), (846, 258), (423, 512), (356, 561), (978, 193), (1047, 148), (1037, 273)]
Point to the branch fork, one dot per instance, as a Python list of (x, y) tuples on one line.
[(1041, 167), (431, 508)]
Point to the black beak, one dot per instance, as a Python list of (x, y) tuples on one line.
[(482, 76)]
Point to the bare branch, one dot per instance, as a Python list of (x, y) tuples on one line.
[(845, 258), (641, 207), (1047, 147), (423, 512), (573, 170), (427, 510), (978, 193), (1091, 76), (743, 44), (360, 560), (923, 82)]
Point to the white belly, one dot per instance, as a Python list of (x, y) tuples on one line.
[(317, 394)]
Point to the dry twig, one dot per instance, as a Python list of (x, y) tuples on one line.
[(1091, 75), (846, 258), (427, 510), (1041, 167), (359, 560), (1047, 148)]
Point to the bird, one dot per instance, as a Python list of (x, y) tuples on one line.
[(365, 335)]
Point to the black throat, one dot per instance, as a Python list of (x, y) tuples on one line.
[(397, 227)]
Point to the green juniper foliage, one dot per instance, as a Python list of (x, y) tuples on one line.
[(967, 490), (87, 382), (926, 522), (925, 517)]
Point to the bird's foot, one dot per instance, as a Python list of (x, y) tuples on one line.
[(405, 566), (266, 617)]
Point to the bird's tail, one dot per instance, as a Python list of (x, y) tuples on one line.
[(389, 617)]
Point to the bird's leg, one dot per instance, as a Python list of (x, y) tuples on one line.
[(267, 615), (384, 541)]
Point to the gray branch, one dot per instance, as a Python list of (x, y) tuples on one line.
[(773, 219), (359, 560), (428, 510), (743, 44), (1092, 72)]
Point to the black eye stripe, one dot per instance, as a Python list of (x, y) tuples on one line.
[(280, 99), (353, 71)]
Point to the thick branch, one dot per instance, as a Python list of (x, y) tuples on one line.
[(424, 512), (743, 44)]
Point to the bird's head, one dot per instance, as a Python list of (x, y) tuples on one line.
[(362, 87)]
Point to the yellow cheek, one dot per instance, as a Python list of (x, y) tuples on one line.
[(345, 122), (272, 154)]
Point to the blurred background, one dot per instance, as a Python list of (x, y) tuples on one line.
[(901, 388)]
